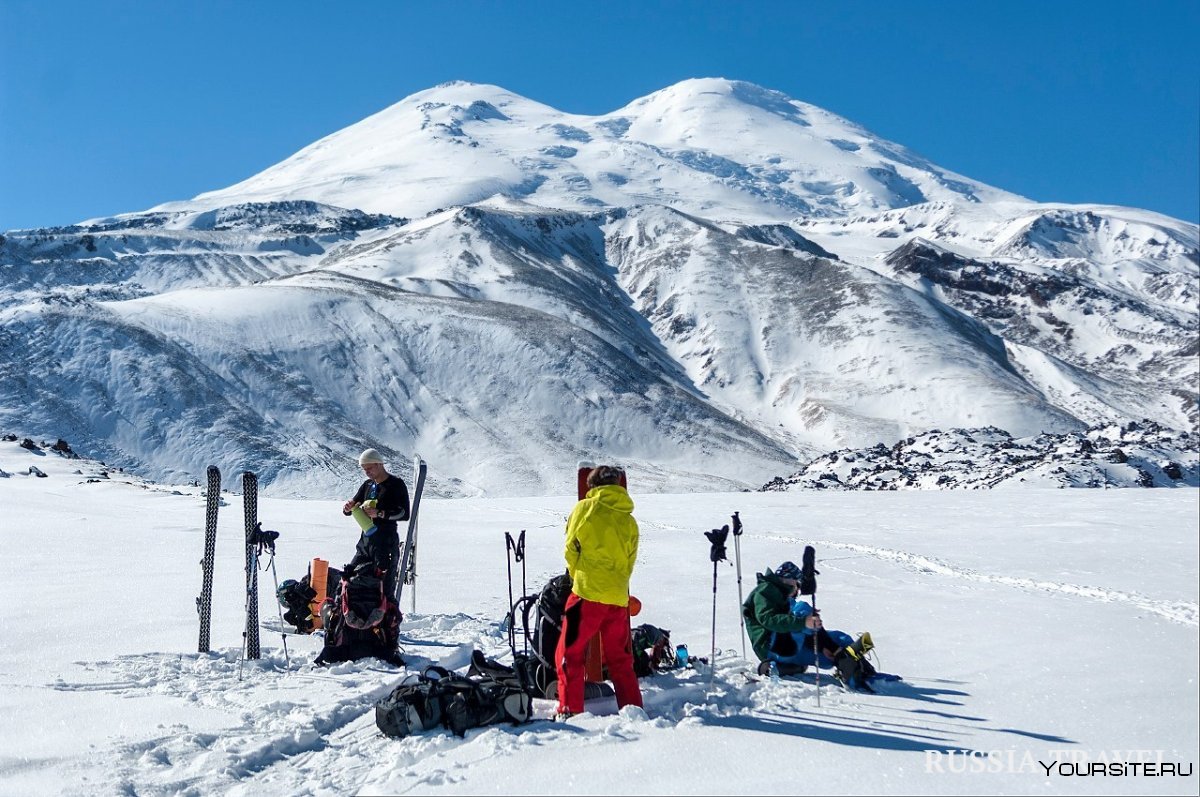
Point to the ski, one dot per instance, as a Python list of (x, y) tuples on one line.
[(408, 560), (204, 602), (581, 476), (583, 469), (277, 627), (250, 501)]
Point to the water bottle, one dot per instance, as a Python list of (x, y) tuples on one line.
[(681, 656), (774, 670)]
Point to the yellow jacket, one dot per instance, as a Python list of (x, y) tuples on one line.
[(602, 544)]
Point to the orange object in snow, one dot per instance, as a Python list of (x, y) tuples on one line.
[(635, 606), (318, 580)]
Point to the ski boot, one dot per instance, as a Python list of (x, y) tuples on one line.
[(851, 666)]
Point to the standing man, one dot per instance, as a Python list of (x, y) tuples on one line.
[(602, 545), (384, 498)]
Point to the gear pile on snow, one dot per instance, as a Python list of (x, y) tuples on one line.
[(438, 697)]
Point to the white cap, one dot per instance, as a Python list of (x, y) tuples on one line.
[(369, 456)]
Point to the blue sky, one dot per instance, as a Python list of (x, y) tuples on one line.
[(111, 107)]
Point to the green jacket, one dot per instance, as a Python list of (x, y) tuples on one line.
[(602, 544), (767, 610)]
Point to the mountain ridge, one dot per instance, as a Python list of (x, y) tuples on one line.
[(709, 284)]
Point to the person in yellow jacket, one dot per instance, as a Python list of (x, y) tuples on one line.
[(602, 545)]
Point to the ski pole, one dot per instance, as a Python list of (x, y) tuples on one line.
[(737, 555), (279, 608), (717, 554), (808, 586), (712, 667), (509, 547), (517, 548), (251, 594), (816, 651), (524, 588)]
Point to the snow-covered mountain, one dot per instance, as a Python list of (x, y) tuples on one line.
[(714, 148), (712, 285)]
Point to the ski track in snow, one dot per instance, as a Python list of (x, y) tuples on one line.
[(1184, 612)]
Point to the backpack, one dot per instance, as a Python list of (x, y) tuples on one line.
[(538, 670), (652, 650), (362, 601), (360, 620), (295, 597), (551, 603), (457, 702)]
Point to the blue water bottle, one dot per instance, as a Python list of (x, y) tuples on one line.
[(681, 656), (773, 668)]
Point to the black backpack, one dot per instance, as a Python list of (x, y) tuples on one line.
[(360, 620), (652, 650), (542, 630), (438, 697), (295, 597), (550, 605)]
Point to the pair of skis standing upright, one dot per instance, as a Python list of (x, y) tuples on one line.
[(258, 541)]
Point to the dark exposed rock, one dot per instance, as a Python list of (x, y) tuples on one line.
[(982, 458)]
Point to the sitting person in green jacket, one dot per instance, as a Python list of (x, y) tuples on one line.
[(781, 629)]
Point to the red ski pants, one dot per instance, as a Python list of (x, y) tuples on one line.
[(582, 619)]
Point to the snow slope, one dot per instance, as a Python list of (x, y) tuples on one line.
[(1050, 625)]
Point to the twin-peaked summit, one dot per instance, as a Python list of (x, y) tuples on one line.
[(717, 148)]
